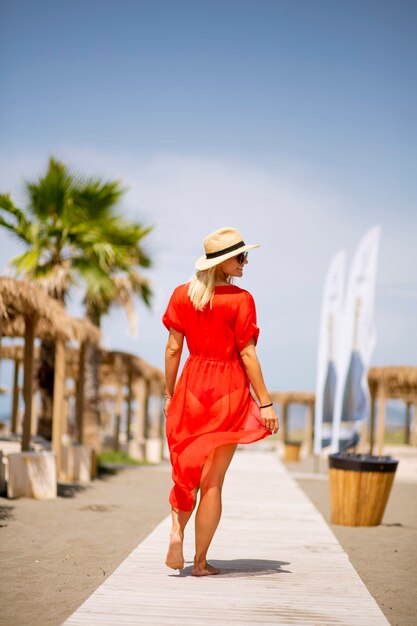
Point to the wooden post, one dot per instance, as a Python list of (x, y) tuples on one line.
[(119, 409), (380, 420), (162, 417), (65, 412), (372, 424), (141, 399), (309, 427), (116, 440), (79, 398), (362, 446), (155, 426), (284, 420), (58, 399), (145, 400), (28, 367), (35, 412), (129, 403), (15, 396), (413, 434), (407, 433)]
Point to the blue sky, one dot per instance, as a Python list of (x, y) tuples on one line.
[(291, 120)]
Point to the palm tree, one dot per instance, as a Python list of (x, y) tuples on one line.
[(74, 234)]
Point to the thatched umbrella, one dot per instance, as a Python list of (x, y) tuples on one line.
[(284, 399), (27, 311), (119, 370), (143, 380), (392, 382)]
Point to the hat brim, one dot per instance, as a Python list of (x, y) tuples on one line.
[(205, 264)]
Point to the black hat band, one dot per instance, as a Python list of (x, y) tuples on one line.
[(236, 246)]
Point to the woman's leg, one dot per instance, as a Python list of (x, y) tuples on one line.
[(175, 557), (210, 506)]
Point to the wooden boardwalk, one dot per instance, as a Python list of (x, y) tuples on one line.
[(280, 562)]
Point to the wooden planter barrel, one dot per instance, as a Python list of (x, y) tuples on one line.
[(359, 488), (292, 451)]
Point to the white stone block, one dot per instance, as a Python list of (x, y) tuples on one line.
[(136, 450), (153, 450), (76, 463), (32, 474)]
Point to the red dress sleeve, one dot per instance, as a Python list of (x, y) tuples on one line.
[(245, 325), (172, 315)]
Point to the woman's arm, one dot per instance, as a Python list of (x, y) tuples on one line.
[(254, 372), (173, 353)]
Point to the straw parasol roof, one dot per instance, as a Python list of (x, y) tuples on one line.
[(121, 367), (118, 367), (398, 382), (20, 299), (296, 397)]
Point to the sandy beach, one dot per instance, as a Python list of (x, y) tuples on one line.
[(55, 553)]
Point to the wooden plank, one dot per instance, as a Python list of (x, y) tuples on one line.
[(280, 563)]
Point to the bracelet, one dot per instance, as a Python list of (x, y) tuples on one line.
[(266, 406), (167, 397)]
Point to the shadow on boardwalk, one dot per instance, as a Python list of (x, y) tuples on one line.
[(242, 567)]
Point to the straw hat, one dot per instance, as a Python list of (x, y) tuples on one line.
[(221, 245)]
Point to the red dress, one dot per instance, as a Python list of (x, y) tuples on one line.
[(212, 404)]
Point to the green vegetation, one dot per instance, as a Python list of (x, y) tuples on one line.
[(395, 437), (110, 457)]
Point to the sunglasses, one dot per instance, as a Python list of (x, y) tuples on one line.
[(241, 258)]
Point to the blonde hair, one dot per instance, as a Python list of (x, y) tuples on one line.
[(201, 288)]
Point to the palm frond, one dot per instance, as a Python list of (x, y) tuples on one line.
[(99, 287), (27, 262), (98, 199), (49, 194), (20, 226)]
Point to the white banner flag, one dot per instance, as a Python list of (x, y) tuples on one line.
[(331, 312), (357, 342)]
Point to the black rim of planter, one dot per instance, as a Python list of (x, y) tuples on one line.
[(362, 462)]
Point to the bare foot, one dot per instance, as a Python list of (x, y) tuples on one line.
[(175, 557), (204, 569)]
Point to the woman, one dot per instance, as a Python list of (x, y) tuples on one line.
[(211, 408)]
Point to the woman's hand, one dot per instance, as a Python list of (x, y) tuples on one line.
[(167, 402), (253, 369), (270, 419)]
